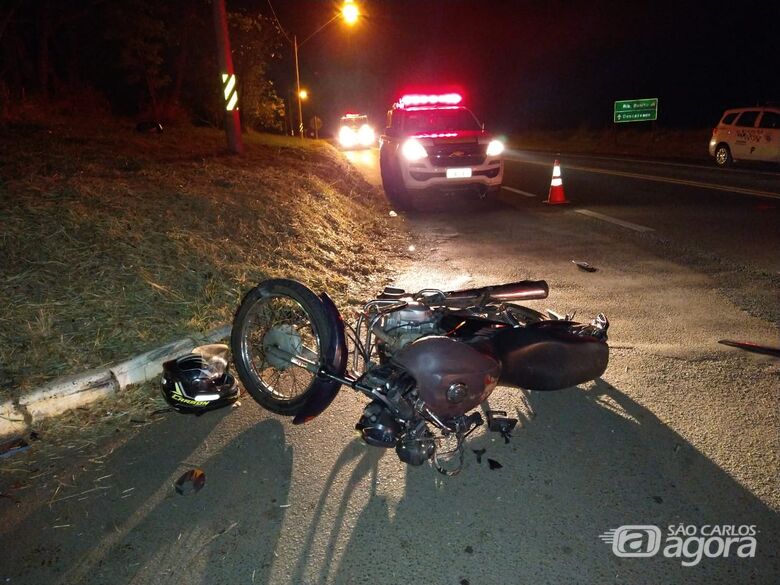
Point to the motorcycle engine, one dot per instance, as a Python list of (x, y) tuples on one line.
[(405, 325), (421, 374), (392, 420)]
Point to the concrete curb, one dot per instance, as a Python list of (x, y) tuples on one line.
[(17, 416)]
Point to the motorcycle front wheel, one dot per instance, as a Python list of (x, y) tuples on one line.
[(279, 338)]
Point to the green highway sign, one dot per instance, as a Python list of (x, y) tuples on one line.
[(636, 110)]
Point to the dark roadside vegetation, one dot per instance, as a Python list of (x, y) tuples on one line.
[(115, 242), (640, 139)]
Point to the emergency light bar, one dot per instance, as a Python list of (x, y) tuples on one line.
[(415, 99)]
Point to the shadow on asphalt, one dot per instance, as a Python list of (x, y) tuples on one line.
[(590, 461), (455, 204), (156, 535)]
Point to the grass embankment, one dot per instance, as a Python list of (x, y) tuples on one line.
[(115, 242), (620, 140)]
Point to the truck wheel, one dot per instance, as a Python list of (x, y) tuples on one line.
[(392, 183), (723, 156)]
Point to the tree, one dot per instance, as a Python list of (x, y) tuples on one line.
[(256, 41), (138, 27)]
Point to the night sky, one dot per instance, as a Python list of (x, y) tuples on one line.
[(538, 65)]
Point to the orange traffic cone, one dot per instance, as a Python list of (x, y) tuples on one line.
[(556, 196)]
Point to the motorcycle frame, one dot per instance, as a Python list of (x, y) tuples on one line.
[(366, 327)]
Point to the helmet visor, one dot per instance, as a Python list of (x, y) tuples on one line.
[(215, 358)]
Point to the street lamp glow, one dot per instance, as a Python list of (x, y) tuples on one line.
[(350, 12), (303, 94)]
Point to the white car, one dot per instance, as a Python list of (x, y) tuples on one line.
[(747, 134), (433, 143)]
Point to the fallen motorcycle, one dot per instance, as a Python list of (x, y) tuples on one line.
[(425, 360)]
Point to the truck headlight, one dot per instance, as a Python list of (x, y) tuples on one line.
[(413, 150), (366, 135), (347, 137), (495, 147)]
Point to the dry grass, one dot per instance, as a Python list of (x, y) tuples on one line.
[(78, 441), (114, 242)]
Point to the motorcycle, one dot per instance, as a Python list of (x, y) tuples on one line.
[(424, 360)]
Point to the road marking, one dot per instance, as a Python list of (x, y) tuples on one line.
[(523, 193), (703, 166), (626, 224), (726, 188)]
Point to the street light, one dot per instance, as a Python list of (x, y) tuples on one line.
[(350, 14), (303, 95)]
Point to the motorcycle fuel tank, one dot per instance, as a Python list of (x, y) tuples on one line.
[(452, 377)]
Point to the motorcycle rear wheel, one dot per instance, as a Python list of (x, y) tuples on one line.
[(280, 322)]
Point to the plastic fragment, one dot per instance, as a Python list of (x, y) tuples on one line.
[(190, 482), (752, 347), (494, 464), (582, 265), (13, 447)]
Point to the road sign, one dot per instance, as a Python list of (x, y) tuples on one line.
[(642, 110)]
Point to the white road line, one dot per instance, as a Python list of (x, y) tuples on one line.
[(626, 224), (658, 179), (523, 193), (665, 163)]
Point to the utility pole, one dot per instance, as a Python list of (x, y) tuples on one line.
[(298, 88), (228, 76)]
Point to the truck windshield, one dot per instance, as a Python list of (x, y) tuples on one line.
[(354, 122), (440, 120)]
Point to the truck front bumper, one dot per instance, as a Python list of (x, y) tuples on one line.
[(422, 175)]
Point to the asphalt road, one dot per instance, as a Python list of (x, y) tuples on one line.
[(680, 430)]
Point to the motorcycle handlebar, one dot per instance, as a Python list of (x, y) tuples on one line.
[(523, 290)]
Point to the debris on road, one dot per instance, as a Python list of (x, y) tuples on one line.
[(494, 464), (752, 347), (13, 447), (479, 453), (190, 482), (582, 265), (499, 423)]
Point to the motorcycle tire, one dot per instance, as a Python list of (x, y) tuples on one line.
[(279, 317)]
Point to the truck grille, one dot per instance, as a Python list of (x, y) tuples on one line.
[(457, 154)]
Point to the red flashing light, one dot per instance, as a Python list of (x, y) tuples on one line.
[(438, 135), (420, 108), (416, 99)]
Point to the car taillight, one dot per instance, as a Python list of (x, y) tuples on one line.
[(412, 150)]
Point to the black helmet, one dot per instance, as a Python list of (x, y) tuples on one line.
[(199, 381)]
